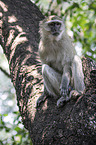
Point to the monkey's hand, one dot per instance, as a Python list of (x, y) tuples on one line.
[(41, 99), (64, 92)]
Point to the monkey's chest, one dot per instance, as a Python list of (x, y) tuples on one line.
[(55, 62), (57, 66), (58, 61)]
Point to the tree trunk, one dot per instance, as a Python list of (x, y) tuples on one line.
[(75, 122)]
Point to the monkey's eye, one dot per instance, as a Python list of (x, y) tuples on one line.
[(51, 24), (54, 24), (57, 23)]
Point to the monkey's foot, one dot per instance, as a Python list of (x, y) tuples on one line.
[(75, 94), (41, 99), (61, 101)]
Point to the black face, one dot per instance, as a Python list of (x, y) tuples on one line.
[(55, 28)]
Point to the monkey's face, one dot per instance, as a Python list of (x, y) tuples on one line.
[(52, 25)]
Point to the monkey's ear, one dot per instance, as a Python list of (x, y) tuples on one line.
[(42, 21), (44, 25)]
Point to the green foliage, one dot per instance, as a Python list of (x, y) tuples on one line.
[(12, 132), (84, 28), (80, 18)]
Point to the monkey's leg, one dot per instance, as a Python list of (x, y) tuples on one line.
[(78, 75), (42, 98), (52, 81)]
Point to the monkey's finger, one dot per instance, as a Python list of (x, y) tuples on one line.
[(64, 92), (61, 101)]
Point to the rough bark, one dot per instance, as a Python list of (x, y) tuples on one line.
[(75, 122)]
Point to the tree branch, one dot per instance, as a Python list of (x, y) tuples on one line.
[(8, 75)]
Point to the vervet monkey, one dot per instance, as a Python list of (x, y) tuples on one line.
[(61, 67)]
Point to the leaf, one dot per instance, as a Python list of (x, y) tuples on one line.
[(17, 129)]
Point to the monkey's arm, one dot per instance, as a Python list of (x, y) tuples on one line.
[(64, 87), (65, 81), (64, 84)]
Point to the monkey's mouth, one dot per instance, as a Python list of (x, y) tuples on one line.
[(55, 33)]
